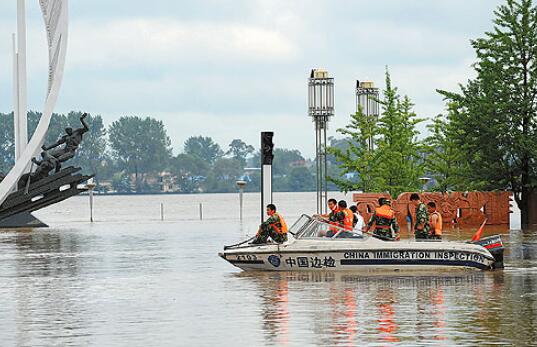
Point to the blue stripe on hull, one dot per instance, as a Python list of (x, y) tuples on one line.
[(465, 263)]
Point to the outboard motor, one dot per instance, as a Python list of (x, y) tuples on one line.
[(495, 246)]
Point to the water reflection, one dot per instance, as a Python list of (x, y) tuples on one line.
[(345, 309), (44, 265), (438, 313), (387, 325), (275, 313)]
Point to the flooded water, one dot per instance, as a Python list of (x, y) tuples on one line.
[(130, 279)]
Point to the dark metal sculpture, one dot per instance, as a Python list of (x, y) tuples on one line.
[(44, 166), (40, 188), (71, 139), (51, 160)]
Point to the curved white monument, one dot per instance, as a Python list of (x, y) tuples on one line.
[(55, 17)]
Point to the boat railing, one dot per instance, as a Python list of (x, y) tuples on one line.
[(296, 228), (315, 227), (310, 227)]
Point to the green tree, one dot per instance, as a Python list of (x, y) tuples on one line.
[(282, 164), (190, 172), (140, 146), (224, 174), (239, 150), (496, 115), (444, 160), (300, 179), (357, 157), (56, 128), (121, 183), (399, 158), (394, 163), (204, 148), (7, 143)]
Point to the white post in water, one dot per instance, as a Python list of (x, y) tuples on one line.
[(201, 211), (240, 184), (161, 211), (91, 185)]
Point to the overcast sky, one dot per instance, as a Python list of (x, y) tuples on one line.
[(230, 69)]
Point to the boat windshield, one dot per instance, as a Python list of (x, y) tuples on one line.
[(315, 227)]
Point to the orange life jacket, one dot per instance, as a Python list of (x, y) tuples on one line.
[(436, 228), (386, 212), (283, 229), (349, 217)]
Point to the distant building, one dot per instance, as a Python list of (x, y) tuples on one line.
[(298, 163), (105, 186), (167, 182)]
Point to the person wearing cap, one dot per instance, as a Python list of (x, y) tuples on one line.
[(383, 218)]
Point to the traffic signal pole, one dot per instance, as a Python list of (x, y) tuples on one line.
[(266, 171)]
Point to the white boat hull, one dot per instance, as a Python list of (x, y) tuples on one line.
[(360, 255)]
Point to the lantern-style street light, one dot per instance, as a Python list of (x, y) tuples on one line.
[(321, 108)]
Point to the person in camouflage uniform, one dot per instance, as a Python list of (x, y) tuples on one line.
[(421, 225), (342, 219), (331, 218), (274, 226), (385, 222), (334, 210)]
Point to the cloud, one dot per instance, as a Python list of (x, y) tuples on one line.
[(146, 42)]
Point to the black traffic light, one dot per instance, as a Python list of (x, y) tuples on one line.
[(266, 147)]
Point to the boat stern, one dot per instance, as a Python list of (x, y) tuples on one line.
[(494, 245)]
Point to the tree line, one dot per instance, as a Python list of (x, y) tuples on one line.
[(134, 155)]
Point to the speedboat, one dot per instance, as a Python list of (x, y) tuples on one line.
[(308, 248)]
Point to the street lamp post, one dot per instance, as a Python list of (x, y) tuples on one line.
[(321, 108), (367, 101)]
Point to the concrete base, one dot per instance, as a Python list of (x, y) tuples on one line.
[(21, 220)]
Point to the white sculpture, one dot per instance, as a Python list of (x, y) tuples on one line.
[(55, 17)]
